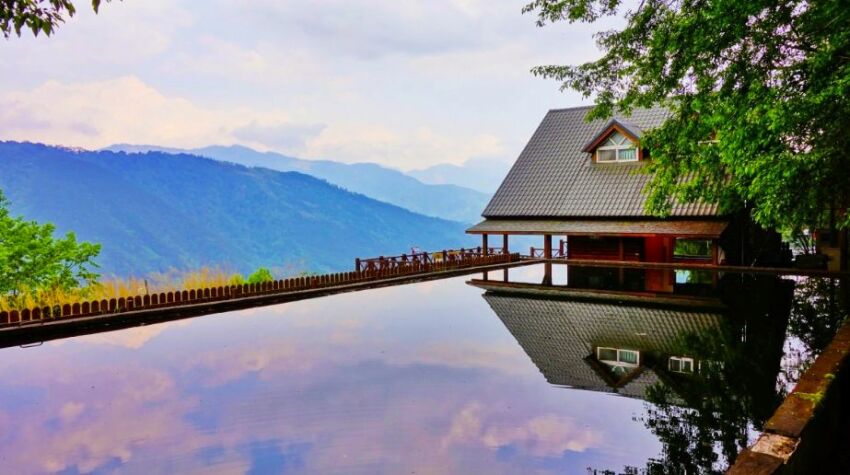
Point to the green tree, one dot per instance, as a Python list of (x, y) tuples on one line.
[(759, 93), (260, 275), (33, 261), (39, 16)]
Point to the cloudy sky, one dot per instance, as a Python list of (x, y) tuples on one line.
[(405, 83)]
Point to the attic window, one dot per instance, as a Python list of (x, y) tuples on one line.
[(617, 356), (680, 364), (617, 148)]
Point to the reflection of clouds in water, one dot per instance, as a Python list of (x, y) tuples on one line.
[(229, 364), (426, 288), (133, 338), (70, 411), (501, 357), (356, 414), (130, 338), (117, 420), (347, 383), (545, 435)]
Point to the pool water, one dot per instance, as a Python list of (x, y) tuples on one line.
[(462, 375)]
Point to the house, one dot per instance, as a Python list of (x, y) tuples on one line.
[(584, 183)]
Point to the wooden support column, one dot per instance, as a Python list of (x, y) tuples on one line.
[(484, 244), (547, 254), (505, 244), (714, 252), (622, 254)]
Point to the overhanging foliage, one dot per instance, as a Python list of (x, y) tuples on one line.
[(759, 93)]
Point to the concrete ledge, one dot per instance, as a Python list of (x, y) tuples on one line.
[(755, 463), (807, 428)]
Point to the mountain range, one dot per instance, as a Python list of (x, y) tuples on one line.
[(155, 211), (484, 175), (442, 200)]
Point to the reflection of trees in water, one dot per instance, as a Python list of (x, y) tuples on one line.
[(705, 420), (773, 330), (817, 310)]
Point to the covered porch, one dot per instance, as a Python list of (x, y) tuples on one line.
[(666, 241)]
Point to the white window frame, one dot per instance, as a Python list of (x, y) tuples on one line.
[(619, 361), (625, 144), (681, 360)]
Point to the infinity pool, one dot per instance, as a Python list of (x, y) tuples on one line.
[(459, 375)]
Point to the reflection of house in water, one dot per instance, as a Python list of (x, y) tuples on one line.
[(704, 356), (606, 330), (602, 346), (679, 286)]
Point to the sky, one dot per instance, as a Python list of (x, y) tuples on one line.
[(407, 84)]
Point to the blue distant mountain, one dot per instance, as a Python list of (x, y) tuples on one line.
[(484, 175), (155, 211), (384, 184)]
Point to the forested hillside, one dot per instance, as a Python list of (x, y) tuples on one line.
[(442, 200), (156, 211)]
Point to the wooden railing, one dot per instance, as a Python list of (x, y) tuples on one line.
[(419, 260), (536, 253), (424, 263)]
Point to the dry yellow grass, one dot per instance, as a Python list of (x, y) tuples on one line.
[(116, 287)]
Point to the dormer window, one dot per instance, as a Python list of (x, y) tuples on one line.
[(617, 148), (617, 142)]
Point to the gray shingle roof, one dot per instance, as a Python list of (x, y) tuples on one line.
[(559, 334), (553, 177)]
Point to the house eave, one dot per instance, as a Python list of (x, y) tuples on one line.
[(692, 227)]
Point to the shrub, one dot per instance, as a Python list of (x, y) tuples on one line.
[(260, 275)]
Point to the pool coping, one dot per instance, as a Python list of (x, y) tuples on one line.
[(804, 429)]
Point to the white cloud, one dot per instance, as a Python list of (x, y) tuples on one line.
[(118, 110), (358, 142), (289, 137), (402, 82), (127, 110)]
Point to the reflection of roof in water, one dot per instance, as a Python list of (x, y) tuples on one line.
[(558, 335)]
